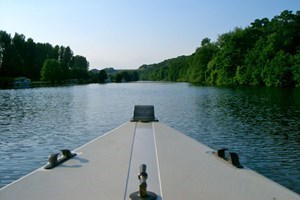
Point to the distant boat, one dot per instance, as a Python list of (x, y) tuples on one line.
[(22, 82), (144, 159)]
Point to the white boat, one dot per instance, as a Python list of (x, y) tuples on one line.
[(145, 159), (21, 82)]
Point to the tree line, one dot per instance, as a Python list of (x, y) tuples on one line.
[(39, 61), (111, 75), (265, 53), (54, 64)]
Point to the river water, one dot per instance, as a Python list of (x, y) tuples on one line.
[(261, 124)]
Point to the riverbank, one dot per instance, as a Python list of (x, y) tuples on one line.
[(11, 83)]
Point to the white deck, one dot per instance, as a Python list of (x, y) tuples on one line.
[(178, 168)]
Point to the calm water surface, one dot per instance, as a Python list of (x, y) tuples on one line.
[(261, 124)]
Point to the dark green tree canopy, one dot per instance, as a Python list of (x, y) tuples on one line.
[(79, 62), (102, 76), (52, 71), (21, 57), (265, 53)]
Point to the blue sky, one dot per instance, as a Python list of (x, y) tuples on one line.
[(126, 34)]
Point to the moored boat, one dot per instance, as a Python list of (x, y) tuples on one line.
[(21, 82), (145, 159)]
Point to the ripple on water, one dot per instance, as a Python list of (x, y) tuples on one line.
[(261, 124)]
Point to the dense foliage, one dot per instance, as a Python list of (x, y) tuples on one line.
[(124, 76), (102, 76), (21, 57), (265, 53)]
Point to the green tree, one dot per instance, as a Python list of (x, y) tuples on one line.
[(118, 77), (79, 67), (102, 76), (134, 76), (12, 52), (21, 57), (19, 51), (277, 72), (52, 71), (125, 76), (32, 69), (200, 60), (42, 52), (1, 54), (79, 62), (65, 56), (296, 69)]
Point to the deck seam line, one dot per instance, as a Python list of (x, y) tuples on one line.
[(130, 158), (157, 161)]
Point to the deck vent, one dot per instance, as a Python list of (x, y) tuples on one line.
[(143, 113)]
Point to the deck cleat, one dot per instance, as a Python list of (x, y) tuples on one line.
[(143, 194)]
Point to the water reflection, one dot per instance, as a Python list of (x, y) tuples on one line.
[(261, 124)]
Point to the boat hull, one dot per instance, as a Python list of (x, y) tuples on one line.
[(178, 167)]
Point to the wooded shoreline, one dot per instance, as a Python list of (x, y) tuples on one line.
[(265, 53)]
